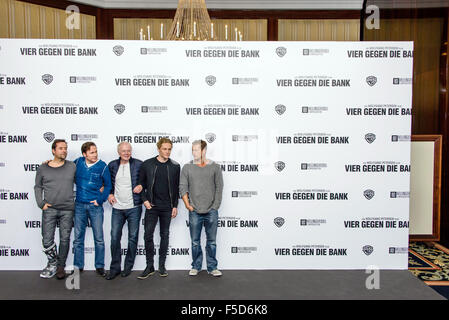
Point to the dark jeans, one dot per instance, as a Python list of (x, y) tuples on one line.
[(49, 220), (118, 219), (151, 218)]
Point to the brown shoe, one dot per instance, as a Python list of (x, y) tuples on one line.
[(60, 273)]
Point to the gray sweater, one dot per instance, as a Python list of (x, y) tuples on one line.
[(55, 186), (203, 184)]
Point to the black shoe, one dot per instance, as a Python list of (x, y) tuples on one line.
[(162, 271), (126, 273), (101, 272), (146, 273), (112, 275)]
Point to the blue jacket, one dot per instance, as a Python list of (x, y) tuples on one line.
[(90, 180), (134, 166)]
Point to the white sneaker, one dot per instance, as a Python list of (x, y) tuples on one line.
[(216, 273), (193, 272)]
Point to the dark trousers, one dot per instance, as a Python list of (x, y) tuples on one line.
[(118, 219), (151, 218)]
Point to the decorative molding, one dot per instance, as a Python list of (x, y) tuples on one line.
[(232, 4)]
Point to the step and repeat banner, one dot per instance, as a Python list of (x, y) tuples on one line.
[(313, 139)]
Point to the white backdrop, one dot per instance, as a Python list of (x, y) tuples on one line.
[(313, 139)]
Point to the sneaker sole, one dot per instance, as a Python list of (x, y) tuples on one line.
[(143, 278), (163, 275), (47, 277)]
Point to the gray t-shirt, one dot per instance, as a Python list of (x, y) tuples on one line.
[(55, 186), (203, 184)]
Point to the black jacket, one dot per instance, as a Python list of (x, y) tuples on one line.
[(134, 166), (147, 177)]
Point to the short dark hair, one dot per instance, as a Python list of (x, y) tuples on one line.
[(55, 142), (86, 146)]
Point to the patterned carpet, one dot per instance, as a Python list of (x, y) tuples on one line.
[(429, 261)]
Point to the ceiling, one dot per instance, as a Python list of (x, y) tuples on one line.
[(269, 4)]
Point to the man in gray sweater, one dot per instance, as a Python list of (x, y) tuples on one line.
[(53, 190), (201, 188)]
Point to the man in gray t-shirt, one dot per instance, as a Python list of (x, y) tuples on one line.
[(53, 190), (201, 188)]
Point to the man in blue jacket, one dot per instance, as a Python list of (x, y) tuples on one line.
[(91, 175), (126, 207)]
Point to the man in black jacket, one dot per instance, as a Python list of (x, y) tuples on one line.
[(126, 206), (159, 177)]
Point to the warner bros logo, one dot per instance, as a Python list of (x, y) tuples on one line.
[(49, 136), (281, 51), (279, 165), (47, 79), (371, 80), (210, 80), (210, 137), (370, 137), (280, 109), (279, 221), (369, 194), (367, 250), (119, 108), (118, 50)]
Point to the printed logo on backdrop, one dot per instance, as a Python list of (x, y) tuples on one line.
[(400, 138), (119, 108), (279, 222), (210, 137), (311, 195), (314, 52), (398, 250), (279, 165), (399, 194), (82, 79), (307, 109), (281, 51), (152, 51), (153, 109), (243, 249), (47, 79), (7, 251), (2, 164), (313, 166), (237, 222), (235, 166), (83, 137), (378, 167), (312, 138), (6, 194), (5, 137), (243, 194), (398, 81), (245, 138), (210, 80), (369, 194), (371, 80), (49, 136), (379, 110), (311, 222), (245, 81), (118, 50), (280, 109), (367, 250), (311, 250), (3, 221), (370, 137)]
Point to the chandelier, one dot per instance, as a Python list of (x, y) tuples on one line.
[(191, 22)]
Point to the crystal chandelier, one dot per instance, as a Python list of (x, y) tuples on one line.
[(191, 22)]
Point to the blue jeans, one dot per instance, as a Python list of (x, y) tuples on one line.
[(210, 222), (118, 219), (83, 212)]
